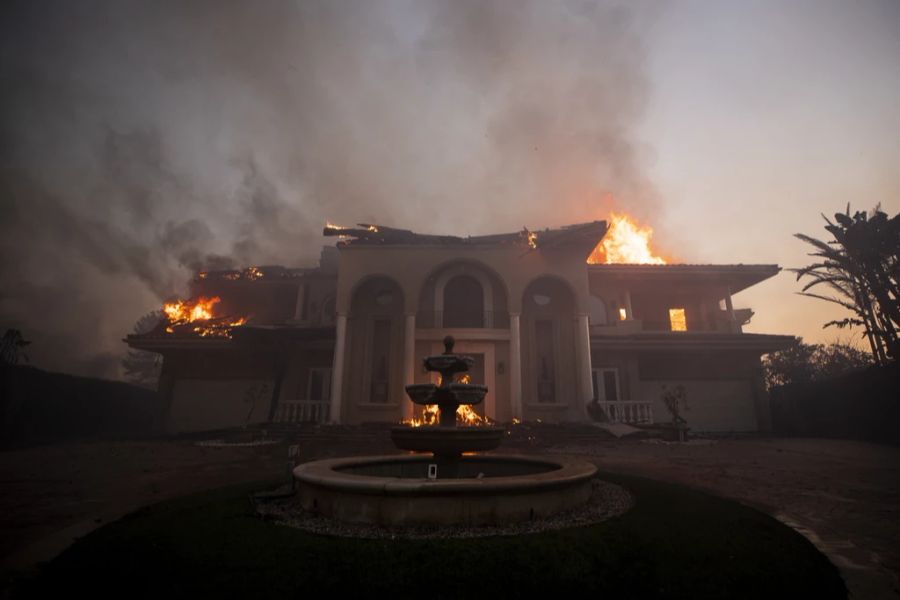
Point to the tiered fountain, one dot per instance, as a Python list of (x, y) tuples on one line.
[(446, 481)]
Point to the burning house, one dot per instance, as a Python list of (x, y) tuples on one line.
[(570, 324)]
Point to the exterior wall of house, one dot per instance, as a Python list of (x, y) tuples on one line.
[(209, 404), (295, 385), (392, 305), (412, 266), (207, 390), (721, 388), (506, 277), (713, 406)]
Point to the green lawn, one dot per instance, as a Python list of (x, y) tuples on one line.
[(674, 543)]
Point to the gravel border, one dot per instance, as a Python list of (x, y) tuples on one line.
[(607, 501)]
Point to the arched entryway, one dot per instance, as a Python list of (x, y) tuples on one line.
[(549, 359), (374, 351)]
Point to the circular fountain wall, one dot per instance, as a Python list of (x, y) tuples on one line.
[(448, 486), (487, 489)]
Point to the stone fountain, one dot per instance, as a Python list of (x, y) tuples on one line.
[(447, 480)]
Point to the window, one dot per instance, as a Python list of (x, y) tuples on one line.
[(318, 386), (541, 299), (677, 319), (381, 361), (606, 385), (546, 380), (463, 302)]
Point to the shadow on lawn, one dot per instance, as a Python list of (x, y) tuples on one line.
[(674, 543)]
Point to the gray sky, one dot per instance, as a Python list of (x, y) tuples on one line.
[(143, 140)]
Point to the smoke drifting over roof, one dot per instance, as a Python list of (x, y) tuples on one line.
[(144, 140)]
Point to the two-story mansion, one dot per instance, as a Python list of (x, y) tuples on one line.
[(550, 333)]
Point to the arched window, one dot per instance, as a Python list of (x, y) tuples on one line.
[(463, 302)]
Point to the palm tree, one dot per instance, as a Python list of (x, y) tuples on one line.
[(861, 265)]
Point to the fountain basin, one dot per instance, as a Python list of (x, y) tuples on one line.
[(395, 490), (446, 440)]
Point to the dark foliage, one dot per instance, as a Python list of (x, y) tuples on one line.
[(42, 407), (861, 405), (804, 363), (861, 268)]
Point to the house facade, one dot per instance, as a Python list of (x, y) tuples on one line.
[(553, 337)]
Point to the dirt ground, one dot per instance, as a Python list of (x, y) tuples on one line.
[(843, 495)]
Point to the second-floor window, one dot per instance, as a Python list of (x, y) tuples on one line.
[(677, 319)]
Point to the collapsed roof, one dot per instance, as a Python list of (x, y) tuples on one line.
[(366, 234)]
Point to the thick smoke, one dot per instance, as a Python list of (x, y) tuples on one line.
[(144, 140)]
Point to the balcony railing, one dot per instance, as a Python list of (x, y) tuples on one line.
[(302, 411), (631, 412)]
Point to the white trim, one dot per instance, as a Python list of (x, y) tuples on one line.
[(337, 372), (409, 360), (583, 354), (515, 366)]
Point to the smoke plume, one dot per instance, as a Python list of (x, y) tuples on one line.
[(144, 140)]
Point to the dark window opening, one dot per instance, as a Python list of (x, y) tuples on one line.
[(381, 346), (546, 381), (463, 302)]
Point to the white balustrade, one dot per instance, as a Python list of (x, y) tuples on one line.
[(628, 411), (302, 411)]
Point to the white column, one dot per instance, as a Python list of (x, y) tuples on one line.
[(515, 367), (301, 299), (337, 371), (729, 307), (409, 363), (583, 342), (629, 314)]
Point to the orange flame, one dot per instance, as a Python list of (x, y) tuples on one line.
[(253, 273), (183, 312), (625, 242), (186, 311), (465, 414)]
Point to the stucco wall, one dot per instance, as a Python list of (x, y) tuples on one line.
[(714, 406), (412, 266), (296, 377), (204, 404)]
